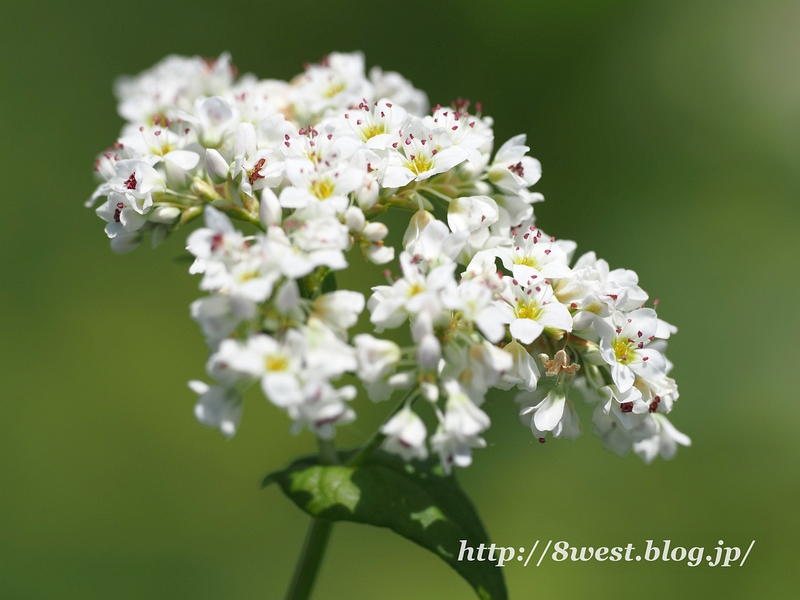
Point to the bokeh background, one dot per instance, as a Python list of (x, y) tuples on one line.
[(670, 138)]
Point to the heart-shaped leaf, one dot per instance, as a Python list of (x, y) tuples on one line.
[(416, 500)]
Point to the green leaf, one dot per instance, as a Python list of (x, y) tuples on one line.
[(416, 500)]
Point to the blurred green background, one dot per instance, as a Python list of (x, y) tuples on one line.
[(669, 133)]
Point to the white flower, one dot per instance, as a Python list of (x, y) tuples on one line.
[(532, 257), (311, 237), (414, 292), (338, 81), (512, 169), (459, 126), (428, 239), (321, 408), (550, 410), (377, 360), (259, 168), (530, 308), (218, 406), (405, 435), (459, 428), (628, 407), (213, 121), (218, 316), (623, 344), (664, 441), (276, 364), (320, 183), (339, 310), (375, 125), (419, 153), (523, 373)]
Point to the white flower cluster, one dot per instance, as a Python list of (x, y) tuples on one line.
[(310, 165)]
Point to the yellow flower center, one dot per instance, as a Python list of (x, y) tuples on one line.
[(623, 350), (527, 261), (276, 362), (419, 164), (322, 189), (415, 289), (528, 310), (334, 89), (371, 131)]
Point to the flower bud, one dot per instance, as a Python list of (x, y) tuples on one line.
[(417, 223), (165, 214), (354, 219), (367, 194), (429, 352), (378, 254), (204, 189), (374, 232), (270, 212), (216, 166)]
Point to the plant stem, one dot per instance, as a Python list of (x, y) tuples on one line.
[(317, 537), (305, 573)]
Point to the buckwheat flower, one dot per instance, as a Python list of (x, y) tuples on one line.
[(311, 237), (312, 184), (476, 303), (258, 168), (524, 373), (459, 429), (665, 441), (321, 408), (485, 364), (593, 289), (416, 291), (213, 121), (137, 181), (431, 241), (459, 126), (218, 406), (628, 407), (276, 364), (419, 153), (325, 355), (223, 364), (376, 125), (533, 257), (531, 307), (549, 410), (160, 144), (218, 316), (339, 310), (122, 214), (624, 338), (172, 84), (338, 81), (377, 361), (472, 213), (218, 240), (512, 169), (482, 270), (405, 435)]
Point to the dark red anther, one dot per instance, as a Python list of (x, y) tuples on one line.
[(254, 174), (518, 169), (626, 407), (130, 183)]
